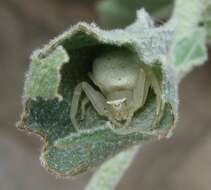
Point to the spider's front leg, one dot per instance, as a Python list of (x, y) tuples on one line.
[(140, 91), (157, 90), (84, 102), (96, 98)]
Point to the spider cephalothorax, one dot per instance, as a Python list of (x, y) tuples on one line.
[(124, 83)]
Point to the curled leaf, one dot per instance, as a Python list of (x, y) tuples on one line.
[(61, 65)]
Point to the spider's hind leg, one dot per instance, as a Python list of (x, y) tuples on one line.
[(74, 105), (83, 107)]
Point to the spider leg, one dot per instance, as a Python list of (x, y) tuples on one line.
[(157, 89), (83, 107), (74, 106), (139, 96), (96, 98), (98, 101), (140, 92)]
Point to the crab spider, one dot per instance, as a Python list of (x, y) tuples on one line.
[(123, 88)]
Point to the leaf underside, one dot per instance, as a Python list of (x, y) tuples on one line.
[(190, 50)]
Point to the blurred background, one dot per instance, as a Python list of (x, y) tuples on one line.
[(183, 162)]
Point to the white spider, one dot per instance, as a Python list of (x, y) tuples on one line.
[(123, 84)]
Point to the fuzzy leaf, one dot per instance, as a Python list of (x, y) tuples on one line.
[(190, 50), (63, 63), (45, 72)]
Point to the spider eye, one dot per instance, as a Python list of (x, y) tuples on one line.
[(117, 106), (116, 102)]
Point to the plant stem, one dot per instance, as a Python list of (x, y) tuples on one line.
[(110, 173)]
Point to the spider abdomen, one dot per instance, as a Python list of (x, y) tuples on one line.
[(116, 71)]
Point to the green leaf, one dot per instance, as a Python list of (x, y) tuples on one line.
[(63, 63), (207, 18), (190, 50), (188, 47), (43, 77), (120, 13)]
